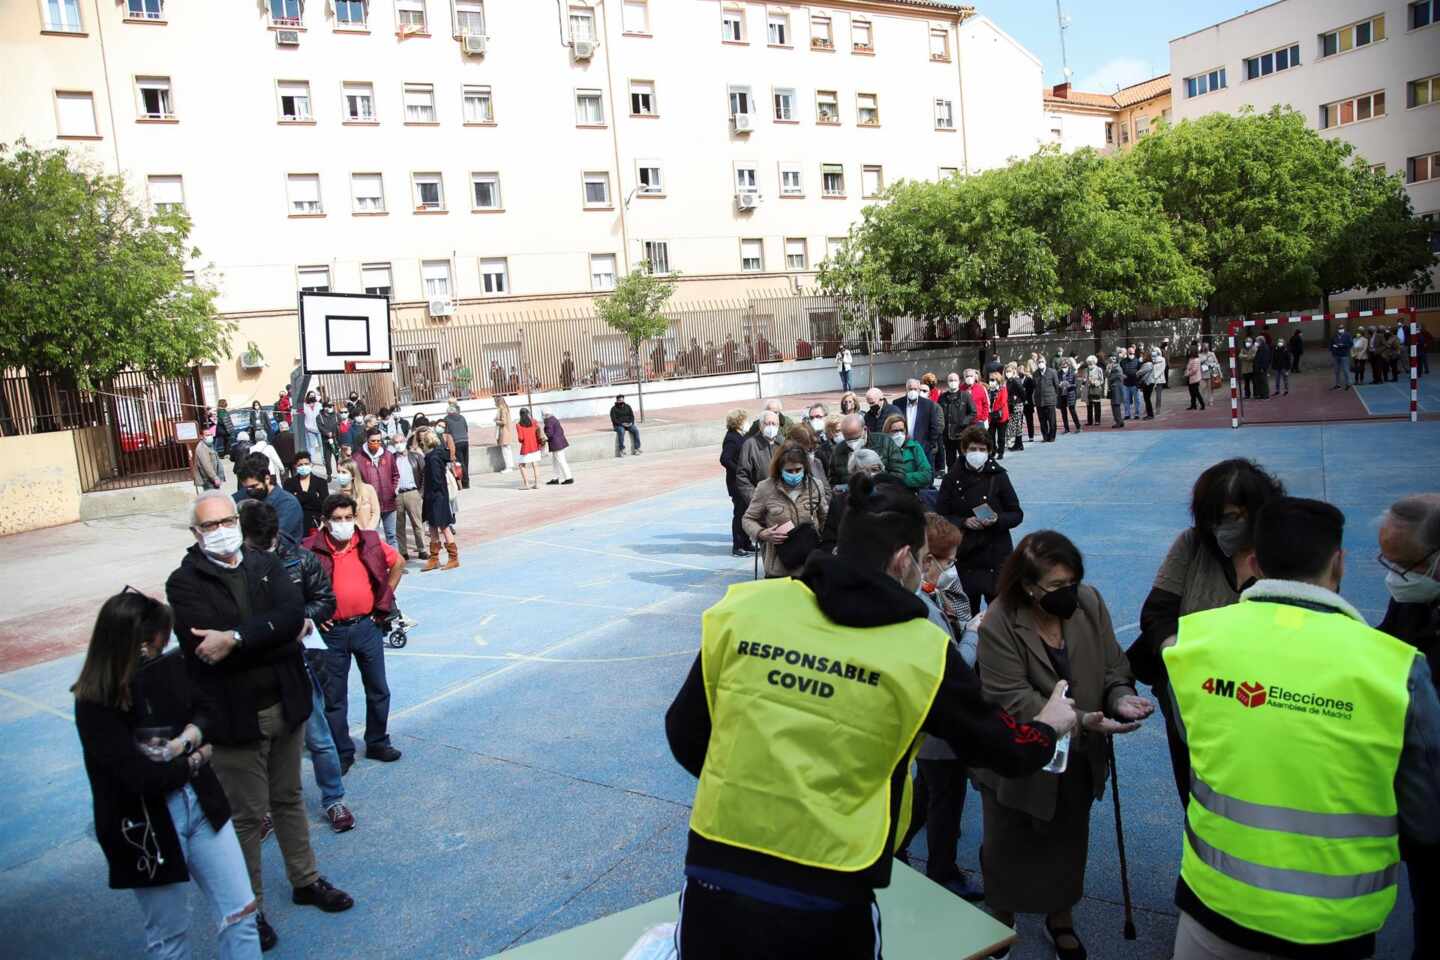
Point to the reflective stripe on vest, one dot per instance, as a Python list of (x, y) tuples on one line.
[(809, 721), (1294, 719)]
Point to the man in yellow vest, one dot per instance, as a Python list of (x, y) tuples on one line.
[(1313, 742), (801, 717)]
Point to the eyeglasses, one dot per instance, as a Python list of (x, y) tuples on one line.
[(210, 526), (1404, 572)]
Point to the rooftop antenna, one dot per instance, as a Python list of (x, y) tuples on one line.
[(1064, 23)]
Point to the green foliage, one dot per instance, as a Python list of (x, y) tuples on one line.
[(633, 308), (91, 285)]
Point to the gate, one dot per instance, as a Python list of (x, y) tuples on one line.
[(152, 426)]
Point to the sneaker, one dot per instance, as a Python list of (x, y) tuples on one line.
[(553, 483), (385, 754), (566, 483), (268, 936), (966, 886), (1076, 952), (636, 452), (340, 817), (324, 895), (739, 553), (267, 827)]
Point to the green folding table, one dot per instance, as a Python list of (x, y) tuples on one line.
[(920, 919)]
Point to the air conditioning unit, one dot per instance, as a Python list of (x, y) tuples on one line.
[(440, 307), (473, 44), (743, 122), (747, 200), (584, 49), (287, 38)]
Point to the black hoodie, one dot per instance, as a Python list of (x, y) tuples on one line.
[(982, 735)]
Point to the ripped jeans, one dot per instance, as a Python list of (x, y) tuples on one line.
[(218, 868)]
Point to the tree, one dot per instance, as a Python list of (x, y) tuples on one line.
[(633, 308), (1379, 242), (90, 284)]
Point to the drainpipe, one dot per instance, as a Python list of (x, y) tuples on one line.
[(109, 98), (614, 138), (960, 79)]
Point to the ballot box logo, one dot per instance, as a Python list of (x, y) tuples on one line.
[(1251, 694)]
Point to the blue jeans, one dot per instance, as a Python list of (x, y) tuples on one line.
[(218, 868), (312, 444), (1342, 370), (319, 741), (387, 524), (845, 380), (1282, 379), (1131, 401), (620, 432), (362, 640)]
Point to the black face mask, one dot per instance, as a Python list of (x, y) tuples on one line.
[(257, 493), (1062, 602)]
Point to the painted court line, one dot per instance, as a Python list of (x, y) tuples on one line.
[(530, 659), (617, 556), (37, 705), (538, 599)]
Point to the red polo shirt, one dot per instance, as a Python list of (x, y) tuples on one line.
[(354, 594)]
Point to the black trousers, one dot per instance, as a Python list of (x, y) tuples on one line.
[(462, 454), (1246, 381), (1029, 420), (1047, 423), (978, 585), (1148, 390), (1117, 413), (716, 924), (1092, 413), (1423, 866), (1197, 402), (1377, 369), (940, 796), (739, 540), (1295, 363), (952, 453), (997, 439)]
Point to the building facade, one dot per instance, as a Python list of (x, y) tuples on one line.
[(1106, 122), (1365, 71), (479, 155)]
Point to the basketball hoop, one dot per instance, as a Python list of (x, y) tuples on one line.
[(367, 366)]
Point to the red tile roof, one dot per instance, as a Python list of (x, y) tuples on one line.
[(1124, 97)]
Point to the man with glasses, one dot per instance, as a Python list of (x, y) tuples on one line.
[(238, 617)]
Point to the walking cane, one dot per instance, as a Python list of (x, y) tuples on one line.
[(1120, 840)]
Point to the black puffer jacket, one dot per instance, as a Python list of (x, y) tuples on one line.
[(962, 491), (958, 407), (307, 573)]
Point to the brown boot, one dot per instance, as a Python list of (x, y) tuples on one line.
[(453, 549), (434, 562)]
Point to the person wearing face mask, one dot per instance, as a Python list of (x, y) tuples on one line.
[(817, 419), (844, 363), (957, 411), (408, 503), (777, 408), (1015, 393), (307, 488), (259, 420), (376, 466), (365, 571), (257, 482), (1115, 386), (259, 444), (924, 421), (1048, 628), (878, 410), (998, 395), (979, 499), (912, 465), (1208, 566), (1291, 845), (328, 423), (1048, 389), (856, 437), (752, 465), (931, 386), (1359, 355), (238, 617), (789, 873), (1261, 376), (1340, 346), (310, 412), (849, 403), (864, 461), (740, 545), (1130, 367), (355, 406), (1093, 377), (351, 482), (787, 511)]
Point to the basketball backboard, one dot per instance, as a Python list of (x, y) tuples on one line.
[(340, 331)]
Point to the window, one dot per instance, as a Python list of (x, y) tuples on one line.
[(1124, 132), (732, 25), (746, 180), (350, 15), (156, 102), (485, 188), (832, 180), (304, 192), (1142, 127), (862, 36), (832, 247), (1353, 110), (582, 24), (1110, 131), (820, 36), (739, 100), (285, 13), (478, 105), (470, 18), (796, 256), (944, 115), (602, 271), (314, 279), (597, 189), (410, 16), (429, 191), (872, 181), (1203, 83), (294, 101), (778, 25), (494, 276), (1424, 13), (752, 256), (375, 279), (1272, 62), (1355, 35), (435, 276), (62, 16), (791, 182), (419, 103), (784, 104), (642, 98), (635, 16), (367, 193), (656, 255), (945, 173), (1433, 219), (75, 114), (827, 106), (145, 9), (939, 43), (1419, 93), (1425, 167), (867, 109), (589, 108), (359, 102), (649, 177), (167, 194)]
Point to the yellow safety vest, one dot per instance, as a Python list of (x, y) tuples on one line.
[(1294, 719), (809, 720)]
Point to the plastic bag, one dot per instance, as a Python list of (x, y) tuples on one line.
[(657, 943)]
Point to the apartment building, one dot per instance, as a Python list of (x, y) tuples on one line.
[(1108, 122), (482, 154), (1365, 71)]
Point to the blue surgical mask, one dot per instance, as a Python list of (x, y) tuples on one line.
[(792, 478), (303, 470)]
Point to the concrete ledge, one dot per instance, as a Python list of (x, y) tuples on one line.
[(655, 437), (172, 498)]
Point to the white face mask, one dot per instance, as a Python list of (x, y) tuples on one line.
[(969, 380), (222, 541), (818, 425), (913, 395), (1040, 365), (954, 384), (343, 479), (975, 459), (342, 530), (857, 443), (899, 439), (1414, 588), (770, 430)]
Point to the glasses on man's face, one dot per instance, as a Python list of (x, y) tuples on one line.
[(1404, 572), (210, 526)]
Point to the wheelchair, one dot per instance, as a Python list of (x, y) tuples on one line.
[(395, 630)]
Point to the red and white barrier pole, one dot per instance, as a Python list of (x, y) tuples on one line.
[(1414, 368), (1234, 379)]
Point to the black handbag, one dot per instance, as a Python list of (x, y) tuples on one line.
[(802, 541)]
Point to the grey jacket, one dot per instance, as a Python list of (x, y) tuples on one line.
[(1114, 381), (753, 464), (1047, 387)]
